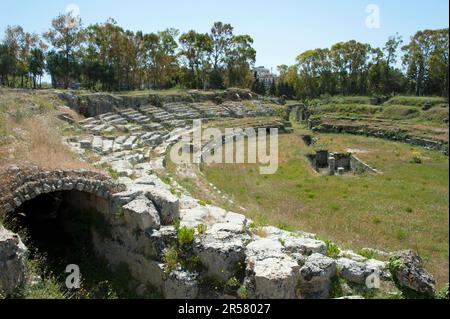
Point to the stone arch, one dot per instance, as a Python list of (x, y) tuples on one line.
[(20, 186), (39, 200)]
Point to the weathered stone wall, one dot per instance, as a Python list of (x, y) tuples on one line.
[(92, 105), (230, 252)]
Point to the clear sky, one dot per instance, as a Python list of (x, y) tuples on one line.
[(281, 29)]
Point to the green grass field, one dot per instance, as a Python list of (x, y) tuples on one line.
[(406, 108), (405, 207)]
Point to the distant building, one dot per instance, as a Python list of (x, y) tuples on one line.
[(264, 75)]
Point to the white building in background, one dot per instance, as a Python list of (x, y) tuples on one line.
[(264, 75)]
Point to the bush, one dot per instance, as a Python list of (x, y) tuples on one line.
[(176, 224), (367, 253), (170, 260), (243, 292), (185, 236), (114, 173), (232, 285), (192, 263), (443, 294), (332, 249), (202, 228)]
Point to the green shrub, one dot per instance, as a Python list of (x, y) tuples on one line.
[(185, 236), (120, 212), (166, 179), (47, 288), (243, 292), (192, 263), (170, 260), (336, 290), (176, 224), (443, 294), (416, 160), (232, 285), (114, 173), (332, 249), (367, 253), (202, 228), (202, 202)]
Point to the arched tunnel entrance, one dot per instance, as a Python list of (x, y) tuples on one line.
[(57, 229), (57, 214)]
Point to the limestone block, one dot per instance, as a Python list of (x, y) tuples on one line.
[(12, 261), (166, 202), (142, 214), (316, 276)]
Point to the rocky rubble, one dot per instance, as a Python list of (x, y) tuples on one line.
[(12, 262), (409, 273)]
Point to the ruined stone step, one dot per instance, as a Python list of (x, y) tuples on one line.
[(107, 146), (97, 143)]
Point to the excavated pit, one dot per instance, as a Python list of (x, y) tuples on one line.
[(328, 163)]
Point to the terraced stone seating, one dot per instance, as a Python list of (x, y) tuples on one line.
[(259, 109), (236, 109), (135, 116), (153, 127), (90, 123), (210, 110), (158, 114), (182, 111), (113, 119)]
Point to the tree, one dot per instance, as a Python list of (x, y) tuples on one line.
[(240, 59), (66, 35), (273, 88), (390, 50), (36, 62), (426, 61), (196, 49), (7, 64), (55, 66), (160, 57), (221, 41)]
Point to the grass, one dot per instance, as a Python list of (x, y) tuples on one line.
[(30, 133), (418, 101), (408, 109), (405, 207)]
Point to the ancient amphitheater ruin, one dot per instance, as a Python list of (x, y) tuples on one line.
[(145, 215)]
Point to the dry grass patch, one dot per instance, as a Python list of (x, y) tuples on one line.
[(31, 133)]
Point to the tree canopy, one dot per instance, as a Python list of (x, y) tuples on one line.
[(106, 57)]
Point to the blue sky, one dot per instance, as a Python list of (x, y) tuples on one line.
[(281, 29)]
